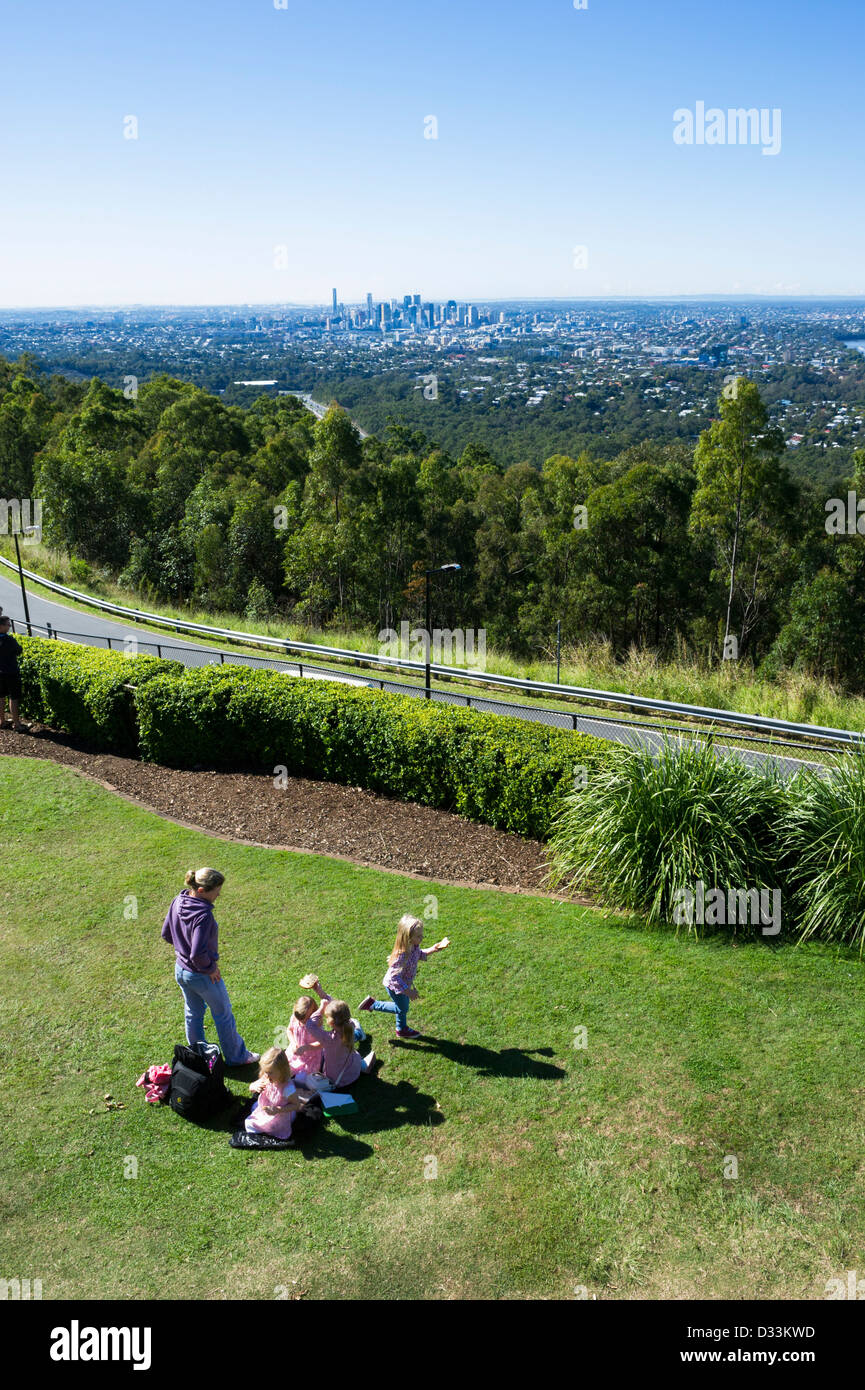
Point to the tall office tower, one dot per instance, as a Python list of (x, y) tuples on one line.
[(461, 315), (415, 299), (406, 301), (473, 316), (451, 309), (385, 314), (333, 292), (369, 309)]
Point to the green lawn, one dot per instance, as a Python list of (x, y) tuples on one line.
[(557, 1167)]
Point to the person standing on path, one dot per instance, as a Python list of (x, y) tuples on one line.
[(10, 676), (192, 929)]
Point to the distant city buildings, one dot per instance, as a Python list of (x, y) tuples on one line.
[(663, 364)]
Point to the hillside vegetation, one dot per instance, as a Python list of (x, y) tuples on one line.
[(266, 513)]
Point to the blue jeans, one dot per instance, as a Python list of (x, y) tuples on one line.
[(398, 1005), (200, 993)]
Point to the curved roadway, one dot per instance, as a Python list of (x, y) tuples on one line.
[(94, 628)]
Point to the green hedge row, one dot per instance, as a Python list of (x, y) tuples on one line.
[(503, 771), (84, 690), (500, 770)]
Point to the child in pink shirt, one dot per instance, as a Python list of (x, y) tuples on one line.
[(341, 1063), (303, 1050), (278, 1098)]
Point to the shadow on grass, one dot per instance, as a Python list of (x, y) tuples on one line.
[(384, 1105), (510, 1062)]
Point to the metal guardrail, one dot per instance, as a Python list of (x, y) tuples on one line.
[(629, 731), (762, 723)]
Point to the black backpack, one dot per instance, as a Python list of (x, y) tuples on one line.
[(198, 1086)]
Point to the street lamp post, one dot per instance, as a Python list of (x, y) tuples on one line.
[(23, 590), (439, 569)]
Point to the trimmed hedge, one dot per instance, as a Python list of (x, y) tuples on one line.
[(83, 690), (501, 770)]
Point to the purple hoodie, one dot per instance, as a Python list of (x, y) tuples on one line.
[(191, 928)]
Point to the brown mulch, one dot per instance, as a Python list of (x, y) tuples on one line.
[(345, 822)]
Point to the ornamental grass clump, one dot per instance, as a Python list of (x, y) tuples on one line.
[(824, 831), (648, 826)]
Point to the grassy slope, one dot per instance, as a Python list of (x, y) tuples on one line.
[(601, 1168)]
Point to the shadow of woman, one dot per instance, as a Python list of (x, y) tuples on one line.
[(509, 1062)]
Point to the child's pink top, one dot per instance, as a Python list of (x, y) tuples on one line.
[(279, 1124), (337, 1059), (303, 1051), (400, 975)]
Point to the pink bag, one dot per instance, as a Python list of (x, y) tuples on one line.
[(157, 1080)]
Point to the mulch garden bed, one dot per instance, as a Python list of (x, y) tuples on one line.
[(346, 822)]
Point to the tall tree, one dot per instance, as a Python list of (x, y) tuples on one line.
[(743, 504)]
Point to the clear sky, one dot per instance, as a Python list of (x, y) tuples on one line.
[(303, 128)]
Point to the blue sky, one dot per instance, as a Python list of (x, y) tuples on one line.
[(303, 128)]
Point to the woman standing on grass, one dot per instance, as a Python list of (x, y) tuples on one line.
[(192, 929)]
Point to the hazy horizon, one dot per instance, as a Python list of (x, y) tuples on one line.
[(324, 304)]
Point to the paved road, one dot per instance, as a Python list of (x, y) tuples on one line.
[(94, 628), (319, 411)]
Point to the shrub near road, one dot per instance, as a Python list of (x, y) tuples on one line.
[(506, 772), (85, 691), (647, 826), (825, 831)]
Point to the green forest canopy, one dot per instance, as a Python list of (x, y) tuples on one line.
[(265, 511)]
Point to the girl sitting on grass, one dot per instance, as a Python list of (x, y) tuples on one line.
[(341, 1063), (278, 1098), (303, 1051), (402, 964)]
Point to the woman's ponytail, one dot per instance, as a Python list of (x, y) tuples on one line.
[(204, 878)]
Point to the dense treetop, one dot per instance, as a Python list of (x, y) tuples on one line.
[(265, 511)]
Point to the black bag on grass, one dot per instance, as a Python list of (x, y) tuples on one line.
[(198, 1088)]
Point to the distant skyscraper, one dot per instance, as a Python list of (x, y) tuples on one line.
[(473, 316), (369, 307), (333, 292)]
